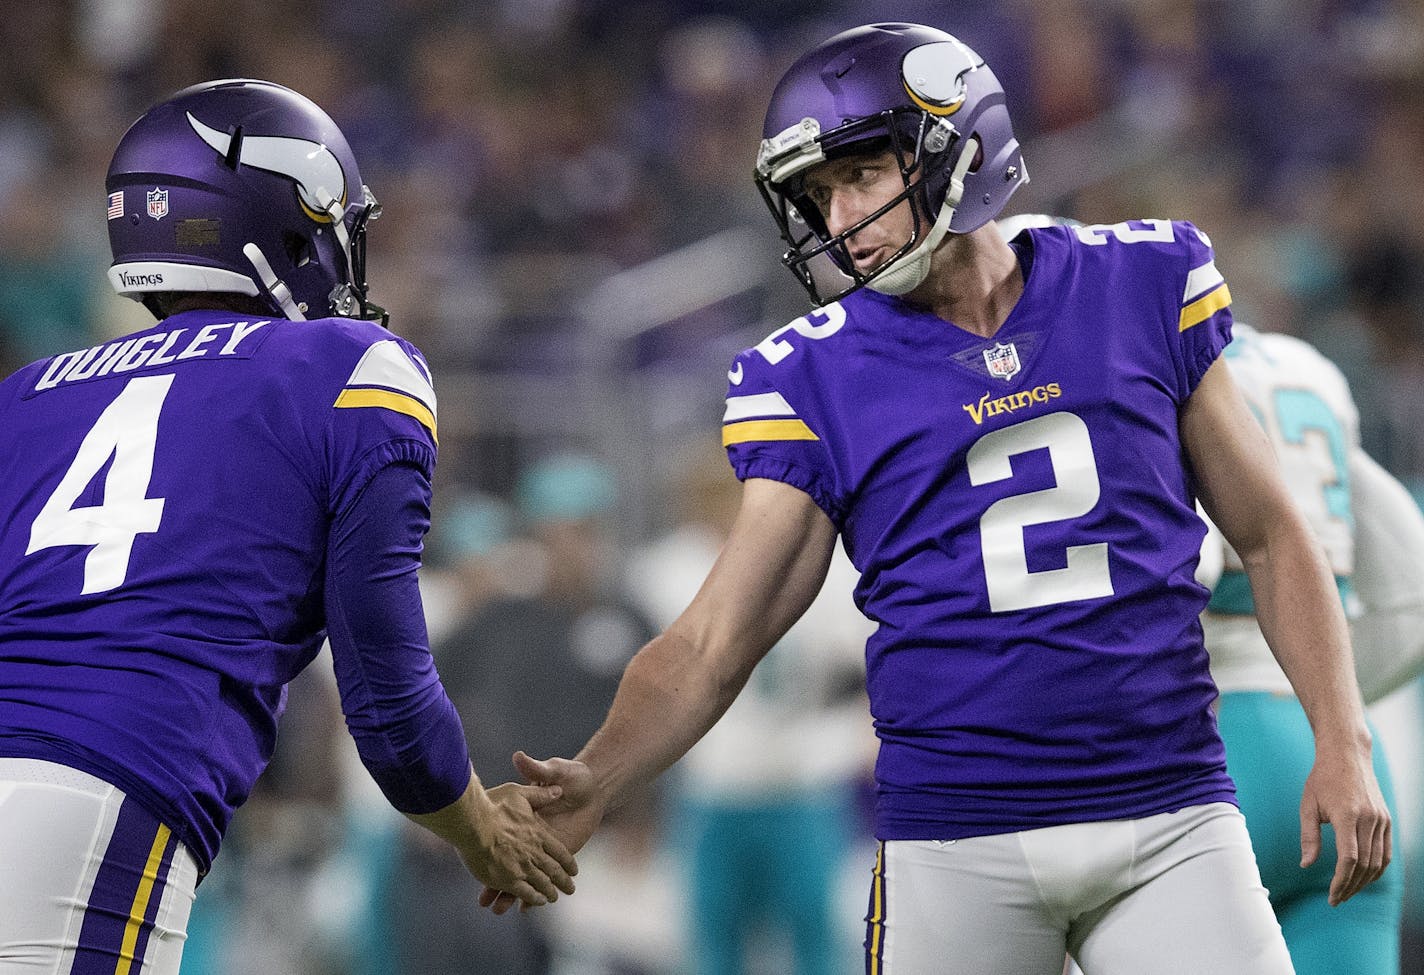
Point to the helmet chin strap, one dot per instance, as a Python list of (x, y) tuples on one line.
[(274, 285), (908, 272)]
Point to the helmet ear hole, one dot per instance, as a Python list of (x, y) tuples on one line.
[(298, 248), (978, 154)]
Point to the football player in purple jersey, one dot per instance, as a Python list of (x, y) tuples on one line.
[(1009, 440), (187, 512)]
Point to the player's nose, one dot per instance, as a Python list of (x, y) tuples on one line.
[(843, 211)]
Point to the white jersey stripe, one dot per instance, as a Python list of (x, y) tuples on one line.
[(386, 364), (1200, 281), (757, 404)]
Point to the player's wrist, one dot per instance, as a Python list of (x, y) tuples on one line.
[(1345, 741), (613, 785)]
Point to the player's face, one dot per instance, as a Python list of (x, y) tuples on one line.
[(849, 189)]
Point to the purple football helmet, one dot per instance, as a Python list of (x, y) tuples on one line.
[(241, 186), (915, 90)]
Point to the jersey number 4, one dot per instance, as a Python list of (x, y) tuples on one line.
[(127, 431), (1001, 529)]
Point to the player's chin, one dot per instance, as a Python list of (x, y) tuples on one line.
[(867, 269)]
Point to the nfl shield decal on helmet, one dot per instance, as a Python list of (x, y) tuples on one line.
[(1002, 360), (157, 203)]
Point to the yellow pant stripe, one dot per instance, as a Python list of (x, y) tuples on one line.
[(875, 943), (140, 901)]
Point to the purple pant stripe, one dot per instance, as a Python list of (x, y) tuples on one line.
[(154, 900), (115, 887)]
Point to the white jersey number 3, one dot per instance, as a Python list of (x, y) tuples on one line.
[(127, 431), (1001, 530)]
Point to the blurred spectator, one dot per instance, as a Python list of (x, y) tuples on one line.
[(533, 671), (300, 885), (43, 311), (468, 554)]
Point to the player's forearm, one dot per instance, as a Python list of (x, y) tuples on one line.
[(1299, 610), (670, 695), (772, 566)]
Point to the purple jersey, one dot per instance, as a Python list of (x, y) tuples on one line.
[(1024, 525), (170, 508)]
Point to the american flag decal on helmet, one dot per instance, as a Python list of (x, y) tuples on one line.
[(116, 205)]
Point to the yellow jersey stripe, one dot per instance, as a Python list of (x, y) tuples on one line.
[(766, 430), (386, 399), (140, 901), (1204, 307)]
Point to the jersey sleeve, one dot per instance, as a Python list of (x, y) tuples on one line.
[(406, 729), (385, 413), (766, 436), (1203, 324)]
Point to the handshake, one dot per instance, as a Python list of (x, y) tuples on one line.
[(519, 839)]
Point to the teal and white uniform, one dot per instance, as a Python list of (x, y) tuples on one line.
[(1305, 406)]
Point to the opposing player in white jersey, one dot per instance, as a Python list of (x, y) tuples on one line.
[(1009, 440), (1304, 404)]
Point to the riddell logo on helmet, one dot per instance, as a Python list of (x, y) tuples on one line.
[(140, 280)]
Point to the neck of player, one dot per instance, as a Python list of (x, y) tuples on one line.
[(974, 281)]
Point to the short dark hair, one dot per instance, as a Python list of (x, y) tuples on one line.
[(165, 303)]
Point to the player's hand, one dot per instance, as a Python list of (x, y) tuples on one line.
[(1342, 791), (513, 849), (572, 817)]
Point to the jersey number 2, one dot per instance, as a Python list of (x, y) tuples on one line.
[(1001, 530), (127, 431)]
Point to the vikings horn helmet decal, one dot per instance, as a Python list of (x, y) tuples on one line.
[(264, 199), (311, 165)]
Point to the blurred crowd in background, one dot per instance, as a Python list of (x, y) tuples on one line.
[(571, 234)]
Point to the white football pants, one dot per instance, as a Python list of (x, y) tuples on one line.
[(90, 882), (1173, 894)]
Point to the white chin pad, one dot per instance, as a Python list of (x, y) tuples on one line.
[(905, 275)]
